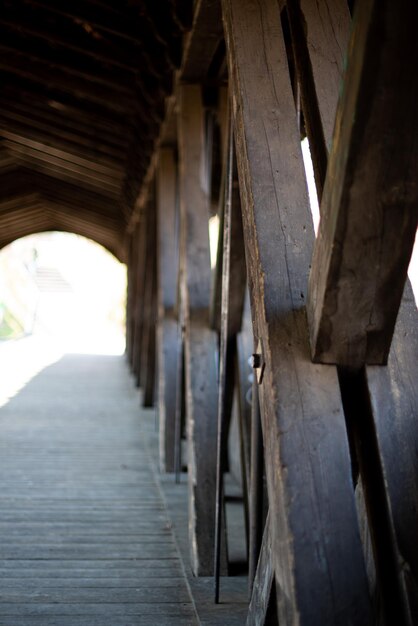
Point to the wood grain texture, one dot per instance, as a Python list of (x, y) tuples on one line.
[(167, 331), (392, 390), (149, 309), (169, 345), (202, 42), (200, 342), (139, 292), (84, 534), (130, 296), (307, 461), (320, 32), (194, 205), (370, 201), (166, 189), (264, 579), (394, 403)]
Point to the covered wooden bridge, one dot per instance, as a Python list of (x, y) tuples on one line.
[(290, 364)]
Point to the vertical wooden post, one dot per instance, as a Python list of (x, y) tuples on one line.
[(148, 338), (200, 341), (231, 269), (168, 334), (370, 200), (140, 235), (389, 400), (130, 299), (312, 511)]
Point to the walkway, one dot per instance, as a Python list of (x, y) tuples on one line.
[(84, 535)]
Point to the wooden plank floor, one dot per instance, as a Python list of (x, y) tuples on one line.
[(84, 535)]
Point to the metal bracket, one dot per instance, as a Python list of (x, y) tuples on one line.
[(257, 363)]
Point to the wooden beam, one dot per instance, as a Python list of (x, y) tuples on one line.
[(370, 202), (86, 146), (200, 341), (264, 580), (391, 395), (53, 171), (70, 62), (119, 100), (109, 20), (65, 160), (37, 216), (130, 295), (139, 296), (141, 197), (319, 35), (148, 340), (311, 498), (238, 274), (202, 42), (168, 332), (393, 398), (66, 112), (66, 34)]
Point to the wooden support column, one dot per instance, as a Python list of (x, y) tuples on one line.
[(148, 338), (232, 272), (263, 581), (200, 341), (393, 398), (169, 342), (130, 299), (389, 399), (370, 201), (139, 290), (312, 510)]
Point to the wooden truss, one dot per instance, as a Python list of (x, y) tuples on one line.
[(334, 374)]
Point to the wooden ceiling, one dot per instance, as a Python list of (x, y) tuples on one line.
[(83, 87)]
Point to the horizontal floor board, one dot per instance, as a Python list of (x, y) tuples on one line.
[(106, 610), (29, 585), (84, 533), (130, 595)]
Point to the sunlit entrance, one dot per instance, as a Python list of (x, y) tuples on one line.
[(60, 293)]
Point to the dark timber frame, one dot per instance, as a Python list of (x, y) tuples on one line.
[(339, 436)]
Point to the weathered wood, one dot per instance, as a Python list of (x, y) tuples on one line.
[(307, 460), (394, 404), (56, 172), (166, 188), (238, 273), (64, 158), (200, 341), (130, 296), (148, 339), (167, 135), (320, 32), (361, 256), (87, 146), (139, 298), (76, 125), (244, 350), (391, 393), (83, 527), (226, 315), (168, 355), (216, 294), (203, 40), (118, 98), (167, 333), (263, 581), (226, 359), (387, 589), (255, 512)]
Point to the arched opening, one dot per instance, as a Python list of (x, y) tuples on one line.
[(60, 293)]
